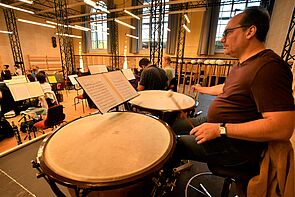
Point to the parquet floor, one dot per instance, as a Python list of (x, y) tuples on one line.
[(69, 110)]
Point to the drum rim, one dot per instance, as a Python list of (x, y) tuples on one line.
[(162, 110), (106, 184)]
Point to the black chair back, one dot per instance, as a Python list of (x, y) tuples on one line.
[(55, 116)]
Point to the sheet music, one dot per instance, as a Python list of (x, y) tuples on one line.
[(35, 89), (24, 91), (100, 92), (19, 91), (51, 79), (128, 74), (95, 69), (16, 79), (72, 79), (122, 85)]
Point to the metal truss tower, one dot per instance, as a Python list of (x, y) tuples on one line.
[(14, 38), (65, 42), (290, 39), (180, 44), (114, 39), (156, 31)]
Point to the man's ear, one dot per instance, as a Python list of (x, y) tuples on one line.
[(251, 31)]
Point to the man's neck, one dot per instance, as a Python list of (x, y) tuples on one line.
[(251, 51)]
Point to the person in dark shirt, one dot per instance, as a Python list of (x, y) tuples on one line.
[(5, 73), (152, 77), (253, 107)]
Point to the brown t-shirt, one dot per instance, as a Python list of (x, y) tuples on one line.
[(263, 83)]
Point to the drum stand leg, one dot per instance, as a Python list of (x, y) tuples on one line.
[(81, 192), (51, 183), (165, 184)]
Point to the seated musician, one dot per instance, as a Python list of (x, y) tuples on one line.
[(5, 73), (152, 77), (7, 102), (48, 99), (253, 107), (170, 72)]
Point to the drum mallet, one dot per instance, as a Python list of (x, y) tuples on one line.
[(170, 94)]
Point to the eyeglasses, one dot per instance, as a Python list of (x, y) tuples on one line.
[(227, 31)]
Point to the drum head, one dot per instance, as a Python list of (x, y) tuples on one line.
[(162, 101), (106, 150)]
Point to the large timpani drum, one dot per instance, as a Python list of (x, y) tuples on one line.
[(160, 103), (106, 151)]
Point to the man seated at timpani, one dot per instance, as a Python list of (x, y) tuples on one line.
[(152, 77), (253, 107)]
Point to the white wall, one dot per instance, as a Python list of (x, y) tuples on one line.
[(280, 21), (34, 40)]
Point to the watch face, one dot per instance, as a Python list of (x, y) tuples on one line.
[(222, 130)]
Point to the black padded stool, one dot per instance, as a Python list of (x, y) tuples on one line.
[(240, 176)]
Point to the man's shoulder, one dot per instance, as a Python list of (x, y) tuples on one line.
[(267, 58)]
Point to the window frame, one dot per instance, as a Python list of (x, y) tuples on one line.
[(98, 22), (147, 24), (223, 19)]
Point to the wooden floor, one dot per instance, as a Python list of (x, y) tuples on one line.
[(69, 110)]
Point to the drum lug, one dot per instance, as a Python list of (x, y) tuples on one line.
[(39, 175), (35, 164)]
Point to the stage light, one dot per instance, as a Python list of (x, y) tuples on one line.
[(74, 27), (98, 7), (16, 8), (26, 1), (186, 28), (134, 16), (6, 32), (125, 24), (186, 18), (35, 23), (68, 35), (131, 36)]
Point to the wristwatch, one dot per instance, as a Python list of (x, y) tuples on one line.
[(222, 129)]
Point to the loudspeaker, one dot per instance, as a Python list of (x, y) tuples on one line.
[(53, 40)]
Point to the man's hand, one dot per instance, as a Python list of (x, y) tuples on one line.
[(206, 132), (196, 87)]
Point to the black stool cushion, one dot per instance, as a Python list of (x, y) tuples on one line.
[(241, 174)]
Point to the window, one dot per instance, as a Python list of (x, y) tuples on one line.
[(228, 9), (146, 26), (99, 29)]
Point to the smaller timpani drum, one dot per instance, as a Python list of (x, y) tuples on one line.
[(106, 152), (159, 102)]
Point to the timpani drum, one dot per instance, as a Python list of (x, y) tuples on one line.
[(160, 103), (106, 152)]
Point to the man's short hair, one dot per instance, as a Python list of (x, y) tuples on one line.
[(144, 62), (6, 66), (259, 17), (41, 77)]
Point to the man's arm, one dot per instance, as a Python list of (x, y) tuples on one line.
[(273, 126), (213, 90)]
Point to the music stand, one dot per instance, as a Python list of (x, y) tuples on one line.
[(96, 69), (107, 90), (128, 74)]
